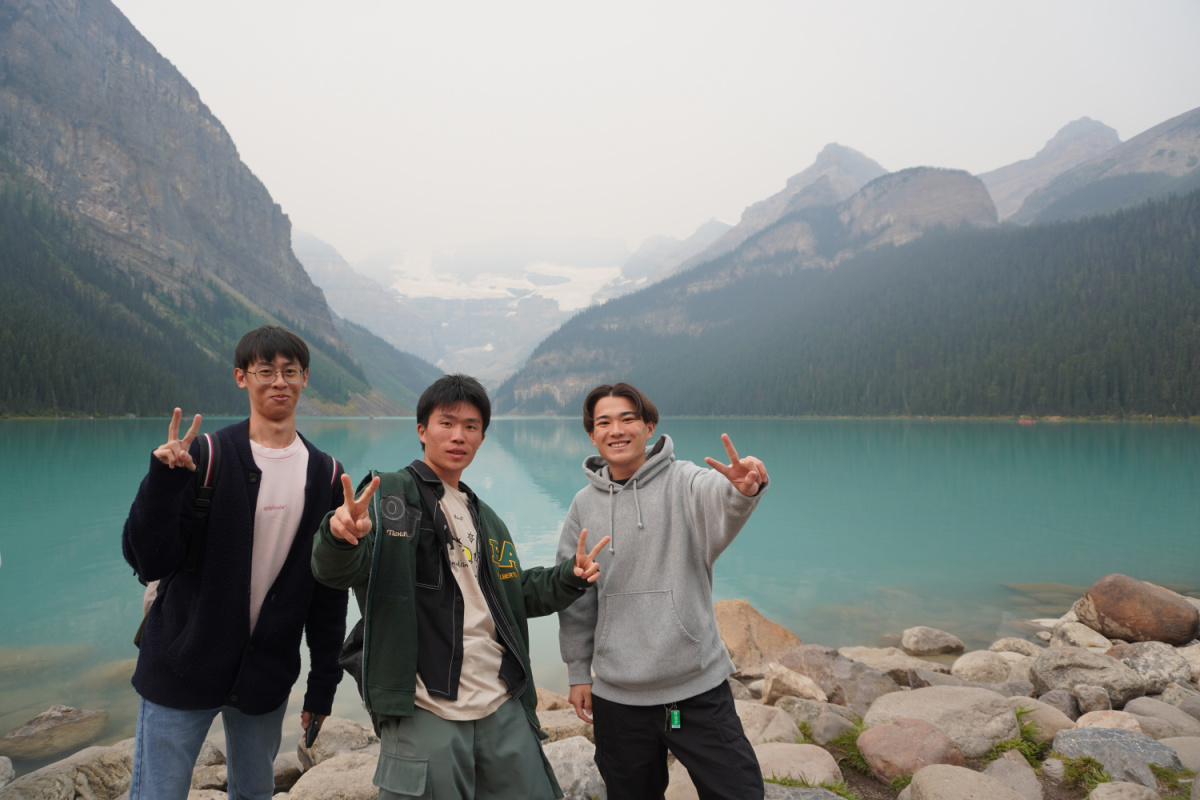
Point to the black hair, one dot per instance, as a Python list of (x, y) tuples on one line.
[(450, 390), (268, 342), (643, 408)]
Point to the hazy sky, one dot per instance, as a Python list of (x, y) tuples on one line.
[(385, 124)]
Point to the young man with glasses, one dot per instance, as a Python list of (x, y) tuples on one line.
[(223, 636), (644, 657)]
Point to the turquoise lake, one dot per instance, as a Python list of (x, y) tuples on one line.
[(869, 527)]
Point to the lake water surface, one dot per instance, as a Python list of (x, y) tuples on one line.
[(869, 527)]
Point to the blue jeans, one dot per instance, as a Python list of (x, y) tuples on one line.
[(168, 741)]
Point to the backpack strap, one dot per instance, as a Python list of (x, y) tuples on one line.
[(207, 469)]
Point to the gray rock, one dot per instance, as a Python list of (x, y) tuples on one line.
[(287, 771), (343, 776), (923, 641), (59, 729), (564, 723), (337, 735), (572, 760), (1180, 722), (844, 682), (1158, 664), (766, 723), (1091, 698), (780, 682), (1187, 748), (975, 719), (1054, 770), (1124, 754), (94, 773), (920, 678), (1014, 771), (828, 726), (210, 755), (1011, 644), (891, 660), (7, 773), (777, 792), (1191, 706), (1123, 791), (944, 782), (1067, 667), (806, 762), (804, 710), (1076, 634), (1064, 701), (740, 692), (1177, 693), (981, 666), (211, 777)]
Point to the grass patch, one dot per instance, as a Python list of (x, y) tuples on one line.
[(846, 745), (1026, 742), (1084, 772), (837, 787), (900, 784), (1168, 780), (806, 736)]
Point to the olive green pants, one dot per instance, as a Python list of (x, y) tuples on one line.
[(498, 757)]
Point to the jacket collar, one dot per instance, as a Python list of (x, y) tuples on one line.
[(426, 474)]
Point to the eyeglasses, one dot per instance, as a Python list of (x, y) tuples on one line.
[(291, 374)]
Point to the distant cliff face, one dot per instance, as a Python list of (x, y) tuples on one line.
[(837, 173), (902, 206), (1126, 173), (1078, 141), (92, 112)]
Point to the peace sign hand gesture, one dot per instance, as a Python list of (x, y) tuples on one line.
[(174, 453), (747, 474), (586, 566), (350, 521)]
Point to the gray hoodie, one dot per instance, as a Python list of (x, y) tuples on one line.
[(648, 631)]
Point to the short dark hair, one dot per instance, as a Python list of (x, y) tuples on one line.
[(450, 390), (642, 406), (267, 342)]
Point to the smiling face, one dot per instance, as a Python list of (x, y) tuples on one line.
[(620, 435), (451, 440), (274, 401)]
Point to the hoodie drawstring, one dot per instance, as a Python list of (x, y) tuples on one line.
[(637, 505), (612, 526)]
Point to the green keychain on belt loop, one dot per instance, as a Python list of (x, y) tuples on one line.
[(675, 723)]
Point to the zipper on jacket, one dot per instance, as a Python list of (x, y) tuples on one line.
[(498, 616), (370, 599)]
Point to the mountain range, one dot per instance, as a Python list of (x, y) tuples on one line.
[(117, 182)]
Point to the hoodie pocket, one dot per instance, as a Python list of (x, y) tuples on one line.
[(642, 642)]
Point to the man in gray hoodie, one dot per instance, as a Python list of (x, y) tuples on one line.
[(648, 632)]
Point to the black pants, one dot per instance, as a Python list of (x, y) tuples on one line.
[(632, 744)]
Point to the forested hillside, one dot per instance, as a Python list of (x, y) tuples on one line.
[(1099, 317)]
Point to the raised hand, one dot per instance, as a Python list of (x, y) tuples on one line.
[(585, 562), (747, 474), (174, 453), (351, 521)]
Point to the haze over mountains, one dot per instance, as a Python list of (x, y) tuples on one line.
[(190, 249)]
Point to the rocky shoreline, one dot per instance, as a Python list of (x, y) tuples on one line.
[(1103, 702)]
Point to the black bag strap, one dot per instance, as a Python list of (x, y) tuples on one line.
[(207, 469)]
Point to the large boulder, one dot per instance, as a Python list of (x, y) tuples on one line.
[(551, 701), (799, 761), (1125, 755), (780, 682), (845, 682), (1014, 771), (976, 719), (924, 641), (95, 773), (891, 660), (344, 776), (1046, 719), (1011, 644), (1109, 719), (1177, 722), (765, 723), (920, 678), (1067, 667), (1123, 791), (1076, 634), (58, 730), (1158, 664), (900, 748), (1187, 748), (753, 641), (7, 773), (946, 782), (573, 761), (564, 723), (337, 735), (1121, 607), (981, 666)]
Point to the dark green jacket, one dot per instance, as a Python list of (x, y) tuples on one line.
[(408, 598)]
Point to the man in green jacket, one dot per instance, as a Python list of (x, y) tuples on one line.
[(444, 602)]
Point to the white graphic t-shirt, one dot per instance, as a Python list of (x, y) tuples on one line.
[(277, 515)]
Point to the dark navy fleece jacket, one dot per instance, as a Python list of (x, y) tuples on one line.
[(196, 649)]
